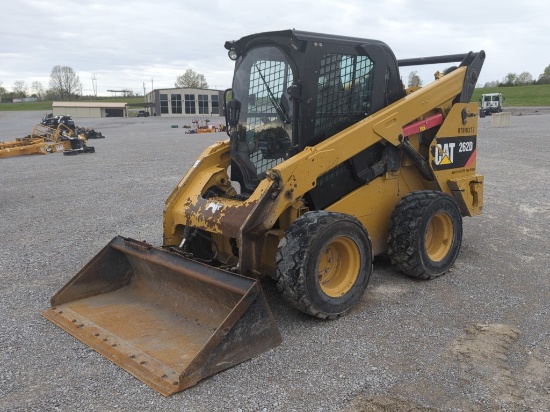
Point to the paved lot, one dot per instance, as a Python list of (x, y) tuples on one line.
[(476, 339)]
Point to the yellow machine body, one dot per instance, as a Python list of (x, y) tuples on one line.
[(175, 314), (278, 198)]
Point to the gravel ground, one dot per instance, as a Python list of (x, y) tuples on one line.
[(476, 339)]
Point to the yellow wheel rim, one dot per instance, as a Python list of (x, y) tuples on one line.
[(439, 236), (338, 267)]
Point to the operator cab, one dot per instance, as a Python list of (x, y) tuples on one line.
[(293, 89)]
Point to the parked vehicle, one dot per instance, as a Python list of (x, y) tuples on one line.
[(490, 103)]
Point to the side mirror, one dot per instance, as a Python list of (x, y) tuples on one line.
[(231, 108), (227, 96), (233, 111)]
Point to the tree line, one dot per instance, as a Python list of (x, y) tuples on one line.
[(522, 79), (511, 79), (65, 84)]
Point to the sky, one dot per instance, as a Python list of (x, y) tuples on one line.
[(142, 45)]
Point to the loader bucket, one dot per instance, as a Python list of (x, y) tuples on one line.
[(167, 320)]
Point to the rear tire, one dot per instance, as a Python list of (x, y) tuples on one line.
[(324, 263), (425, 234)]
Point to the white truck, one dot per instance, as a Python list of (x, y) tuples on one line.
[(490, 103)]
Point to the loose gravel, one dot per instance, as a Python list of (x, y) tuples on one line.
[(476, 339)]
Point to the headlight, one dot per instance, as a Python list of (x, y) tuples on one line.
[(232, 54)]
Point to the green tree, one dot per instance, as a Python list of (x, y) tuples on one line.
[(509, 79), (64, 82), (38, 90), (51, 94), (19, 89), (191, 79), (524, 79), (414, 79), (544, 77)]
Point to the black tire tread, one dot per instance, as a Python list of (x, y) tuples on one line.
[(291, 253), (402, 233)]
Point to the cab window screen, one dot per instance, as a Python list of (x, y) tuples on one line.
[(344, 92)]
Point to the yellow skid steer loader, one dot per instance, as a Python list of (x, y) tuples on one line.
[(329, 162)]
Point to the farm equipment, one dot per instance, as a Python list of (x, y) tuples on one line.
[(55, 138), (22, 146), (48, 139), (201, 126), (329, 163), (54, 121), (69, 140), (43, 139), (63, 138), (78, 146), (89, 133)]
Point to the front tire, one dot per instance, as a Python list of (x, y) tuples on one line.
[(425, 234), (324, 263)]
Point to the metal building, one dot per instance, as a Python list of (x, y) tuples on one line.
[(90, 109), (185, 102)]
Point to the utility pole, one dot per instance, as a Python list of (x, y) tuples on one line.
[(94, 84)]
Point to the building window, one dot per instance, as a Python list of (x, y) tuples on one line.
[(203, 104), (176, 103), (190, 104), (164, 103), (215, 104)]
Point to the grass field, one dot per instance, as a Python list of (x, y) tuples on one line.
[(47, 105), (538, 95)]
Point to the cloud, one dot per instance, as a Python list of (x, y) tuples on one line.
[(128, 43)]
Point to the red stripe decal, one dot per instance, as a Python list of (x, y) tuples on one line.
[(472, 159)]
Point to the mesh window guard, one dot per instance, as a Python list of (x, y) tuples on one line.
[(268, 81), (344, 92)]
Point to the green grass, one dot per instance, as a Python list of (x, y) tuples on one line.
[(47, 105), (538, 95), (15, 107)]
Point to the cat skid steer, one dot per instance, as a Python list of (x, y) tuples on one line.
[(329, 162)]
